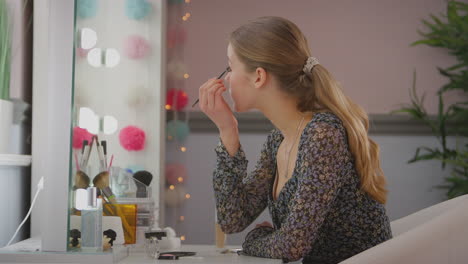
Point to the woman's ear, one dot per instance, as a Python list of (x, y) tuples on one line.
[(260, 77)]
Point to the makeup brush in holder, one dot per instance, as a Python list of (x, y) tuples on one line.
[(101, 181), (81, 180), (142, 181)]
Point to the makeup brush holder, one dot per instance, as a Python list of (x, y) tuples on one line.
[(146, 211), (128, 190), (122, 183)]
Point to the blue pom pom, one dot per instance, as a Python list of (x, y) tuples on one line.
[(177, 129), (86, 8), (137, 9)]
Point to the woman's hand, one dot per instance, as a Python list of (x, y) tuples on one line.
[(266, 223), (214, 106)]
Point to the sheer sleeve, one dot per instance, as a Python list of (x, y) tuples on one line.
[(241, 197), (320, 175)]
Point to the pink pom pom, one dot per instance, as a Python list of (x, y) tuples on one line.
[(180, 96), (132, 138), (136, 47), (174, 171), (176, 36), (80, 134)]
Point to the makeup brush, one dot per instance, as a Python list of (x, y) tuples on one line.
[(104, 149), (102, 182), (81, 180), (228, 69), (83, 151), (142, 180)]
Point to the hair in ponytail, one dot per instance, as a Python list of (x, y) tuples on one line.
[(282, 50)]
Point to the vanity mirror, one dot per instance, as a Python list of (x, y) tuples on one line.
[(117, 87)]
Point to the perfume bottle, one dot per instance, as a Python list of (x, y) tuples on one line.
[(91, 222)]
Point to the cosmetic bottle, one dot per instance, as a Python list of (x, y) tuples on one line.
[(91, 223)]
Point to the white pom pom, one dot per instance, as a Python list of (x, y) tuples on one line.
[(169, 232)]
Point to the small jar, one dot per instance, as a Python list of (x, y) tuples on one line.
[(152, 247)]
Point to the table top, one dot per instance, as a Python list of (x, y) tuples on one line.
[(205, 254)]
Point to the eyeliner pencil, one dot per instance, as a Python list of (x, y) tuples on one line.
[(219, 77)]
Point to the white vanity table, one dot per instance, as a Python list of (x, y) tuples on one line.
[(204, 254)]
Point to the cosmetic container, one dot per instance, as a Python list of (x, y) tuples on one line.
[(91, 223), (152, 244)]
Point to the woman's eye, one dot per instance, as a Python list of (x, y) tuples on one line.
[(229, 69)]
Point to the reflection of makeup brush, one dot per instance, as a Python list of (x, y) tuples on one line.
[(142, 180), (83, 151), (219, 77), (81, 180), (110, 163), (104, 149), (102, 182)]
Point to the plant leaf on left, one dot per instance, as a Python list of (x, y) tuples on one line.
[(5, 51)]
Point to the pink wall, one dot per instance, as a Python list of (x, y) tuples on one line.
[(364, 43)]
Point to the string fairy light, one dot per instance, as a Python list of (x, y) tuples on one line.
[(181, 77)]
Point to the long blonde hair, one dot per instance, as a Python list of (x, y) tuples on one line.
[(278, 46)]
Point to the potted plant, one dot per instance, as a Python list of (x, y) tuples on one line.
[(449, 31), (6, 106)]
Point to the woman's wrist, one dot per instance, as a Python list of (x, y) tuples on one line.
[(230, 139)]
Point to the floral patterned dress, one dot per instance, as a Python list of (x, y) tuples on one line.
[(321, 215)]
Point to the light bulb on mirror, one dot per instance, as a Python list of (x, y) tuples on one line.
[(112, 58), (95, 57), (110, 125), (88, 120), (88, 38)]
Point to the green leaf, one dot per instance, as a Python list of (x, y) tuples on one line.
[(430, 154), (5, 51)]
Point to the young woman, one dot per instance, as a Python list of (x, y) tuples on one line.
[(318, 171)]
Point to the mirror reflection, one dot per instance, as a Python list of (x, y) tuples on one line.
[(115, 122)]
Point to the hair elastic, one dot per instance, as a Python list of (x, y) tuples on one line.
[(310, 63)]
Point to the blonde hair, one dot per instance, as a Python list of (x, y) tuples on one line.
[(278, 46)]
